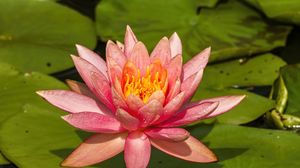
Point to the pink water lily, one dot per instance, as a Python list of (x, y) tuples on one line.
[(134, 100)]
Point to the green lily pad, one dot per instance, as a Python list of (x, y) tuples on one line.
[(231, 28), (40, 35), (3, 160), (282, 10), (43, 130), (39, 138), (206, 3), (291, 77), (258, 71), (219, 80), (17, 89)]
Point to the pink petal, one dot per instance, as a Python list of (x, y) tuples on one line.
[(114, 52), (190, 85), (226, 103), (114, 70), (80, 88), (158, 95), (85, 68), (174, 90), (102, 89), (196, 64), (172, 107), (118, 87), (95, 149), (140, 57), (70, 101), (162, 52), (175, 44), (97, 83), (118, 99), (134, 102), (94, 122), (190, 114), (174, 69), (150, 112), (190, 150), (129, 41), (121, 46), (168, 134), (92, 58), (128, 121), (137, 150)]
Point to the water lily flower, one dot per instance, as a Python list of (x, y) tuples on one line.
[(135, 100)]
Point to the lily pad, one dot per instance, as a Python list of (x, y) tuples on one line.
[(282, 10), (221, 79), (3, 160), (39, 136), (40, 35), (291, 77), (231, 28), (17, 89), (206, 3), (43, 130), (258, 71)]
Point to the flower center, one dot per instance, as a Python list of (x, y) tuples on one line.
[(144, 86)]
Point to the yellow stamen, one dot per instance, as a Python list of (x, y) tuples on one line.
[(143, 86)]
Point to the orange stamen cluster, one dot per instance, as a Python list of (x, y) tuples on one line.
[(144, 86)]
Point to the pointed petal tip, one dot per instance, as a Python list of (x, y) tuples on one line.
[(40, 92), (109, 42), (239, 98), (65, 163), (211, 158), (128, 27), (74, 57), (64, 117), (118, 42), (243, 96), (78, 46), (175, 34), (208, 50), (69, 163), (165, 38)]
